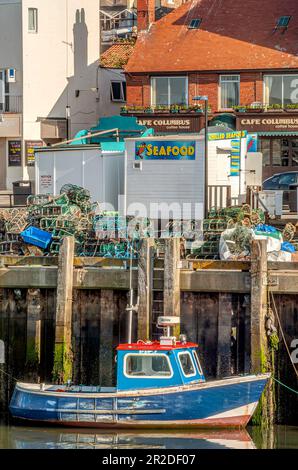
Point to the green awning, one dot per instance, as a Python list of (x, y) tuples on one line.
[(275, 133)]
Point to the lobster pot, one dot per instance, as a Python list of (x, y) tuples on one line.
[(100, 172)]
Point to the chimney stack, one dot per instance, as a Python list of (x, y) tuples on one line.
[(145, 14)]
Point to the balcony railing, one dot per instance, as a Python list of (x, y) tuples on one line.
[(12, 104)]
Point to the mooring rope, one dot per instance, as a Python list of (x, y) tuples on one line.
[(283, 335), (284, 385)]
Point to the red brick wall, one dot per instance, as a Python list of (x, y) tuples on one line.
[(251, 88)]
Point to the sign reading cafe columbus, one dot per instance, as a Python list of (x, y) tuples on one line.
[(266, 122)]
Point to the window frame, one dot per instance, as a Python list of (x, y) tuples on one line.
[(122, 99), (197, 362), (147, 376), (282, 86), (34, 10), (221, 108), (153, 92), (192, 361)]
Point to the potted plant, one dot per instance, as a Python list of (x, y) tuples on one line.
[(161, 109), (148, 110), (255, 108), (292, 108), (273, 108), (138, 109), (183, 109), (124, 110), (174, 108), (196, 108), (239, 109)]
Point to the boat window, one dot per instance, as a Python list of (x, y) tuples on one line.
[(147, 366), (197, 361), (187, 364)]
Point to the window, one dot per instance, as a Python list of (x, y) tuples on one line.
[(281, 89), (287, 179), (166, 91), (264, 147), (118, 91), (197, 361), (32, 20), (195, 23), (283, 22), (2, 90), (147, 366), (279, 152), (187, 364), (229, 91)]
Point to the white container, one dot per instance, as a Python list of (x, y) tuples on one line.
[(102, 173)]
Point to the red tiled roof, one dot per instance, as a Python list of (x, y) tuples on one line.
[(116, 56), (234, 35)]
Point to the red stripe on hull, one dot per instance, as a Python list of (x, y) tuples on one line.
[(237, 422)]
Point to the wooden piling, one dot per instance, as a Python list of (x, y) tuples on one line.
[(223, 368), (106, 345), (145, 279), (33, 334), (62, 370), (259, 280), (172, 279)]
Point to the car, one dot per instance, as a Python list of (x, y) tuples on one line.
[(281, 180)]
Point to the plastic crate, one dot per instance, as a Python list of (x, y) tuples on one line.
[(37, 237)]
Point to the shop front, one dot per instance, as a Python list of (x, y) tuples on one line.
[(277, 139)]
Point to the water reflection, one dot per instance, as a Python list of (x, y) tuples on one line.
[(21, 437), (18, 437)]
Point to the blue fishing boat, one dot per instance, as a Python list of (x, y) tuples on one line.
[(160, 384)]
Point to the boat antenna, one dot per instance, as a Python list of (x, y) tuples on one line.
[(130, 308)]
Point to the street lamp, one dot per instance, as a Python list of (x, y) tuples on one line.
[(205, 99)]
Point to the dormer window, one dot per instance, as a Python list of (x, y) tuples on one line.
[(283, 22), (195, 23)]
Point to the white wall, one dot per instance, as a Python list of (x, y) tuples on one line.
[(11, 57), (108, 107)]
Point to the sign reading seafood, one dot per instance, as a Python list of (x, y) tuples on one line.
[(165, 150)]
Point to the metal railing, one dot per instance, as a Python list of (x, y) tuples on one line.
[(13, 104), (9, 200)]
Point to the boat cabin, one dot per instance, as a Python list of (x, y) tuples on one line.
[(153, 364)]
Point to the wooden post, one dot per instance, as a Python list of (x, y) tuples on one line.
[(145, 275), (258, 306), (106, 351), (62, 370), (172, 279), (224, 335), (33, 333)]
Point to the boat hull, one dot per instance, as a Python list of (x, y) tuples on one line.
[(227, 403)]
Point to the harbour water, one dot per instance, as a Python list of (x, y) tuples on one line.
[(20, 437)]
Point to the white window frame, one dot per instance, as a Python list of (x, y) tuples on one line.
[(122, 99), (228, 81), (282, 85), (198, 364), (194, 367), (147, 376), (35, 17), (152, 91)]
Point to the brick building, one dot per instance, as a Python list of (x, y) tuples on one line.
[(243, 56)]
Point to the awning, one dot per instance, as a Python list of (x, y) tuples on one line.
[(275, 133)]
